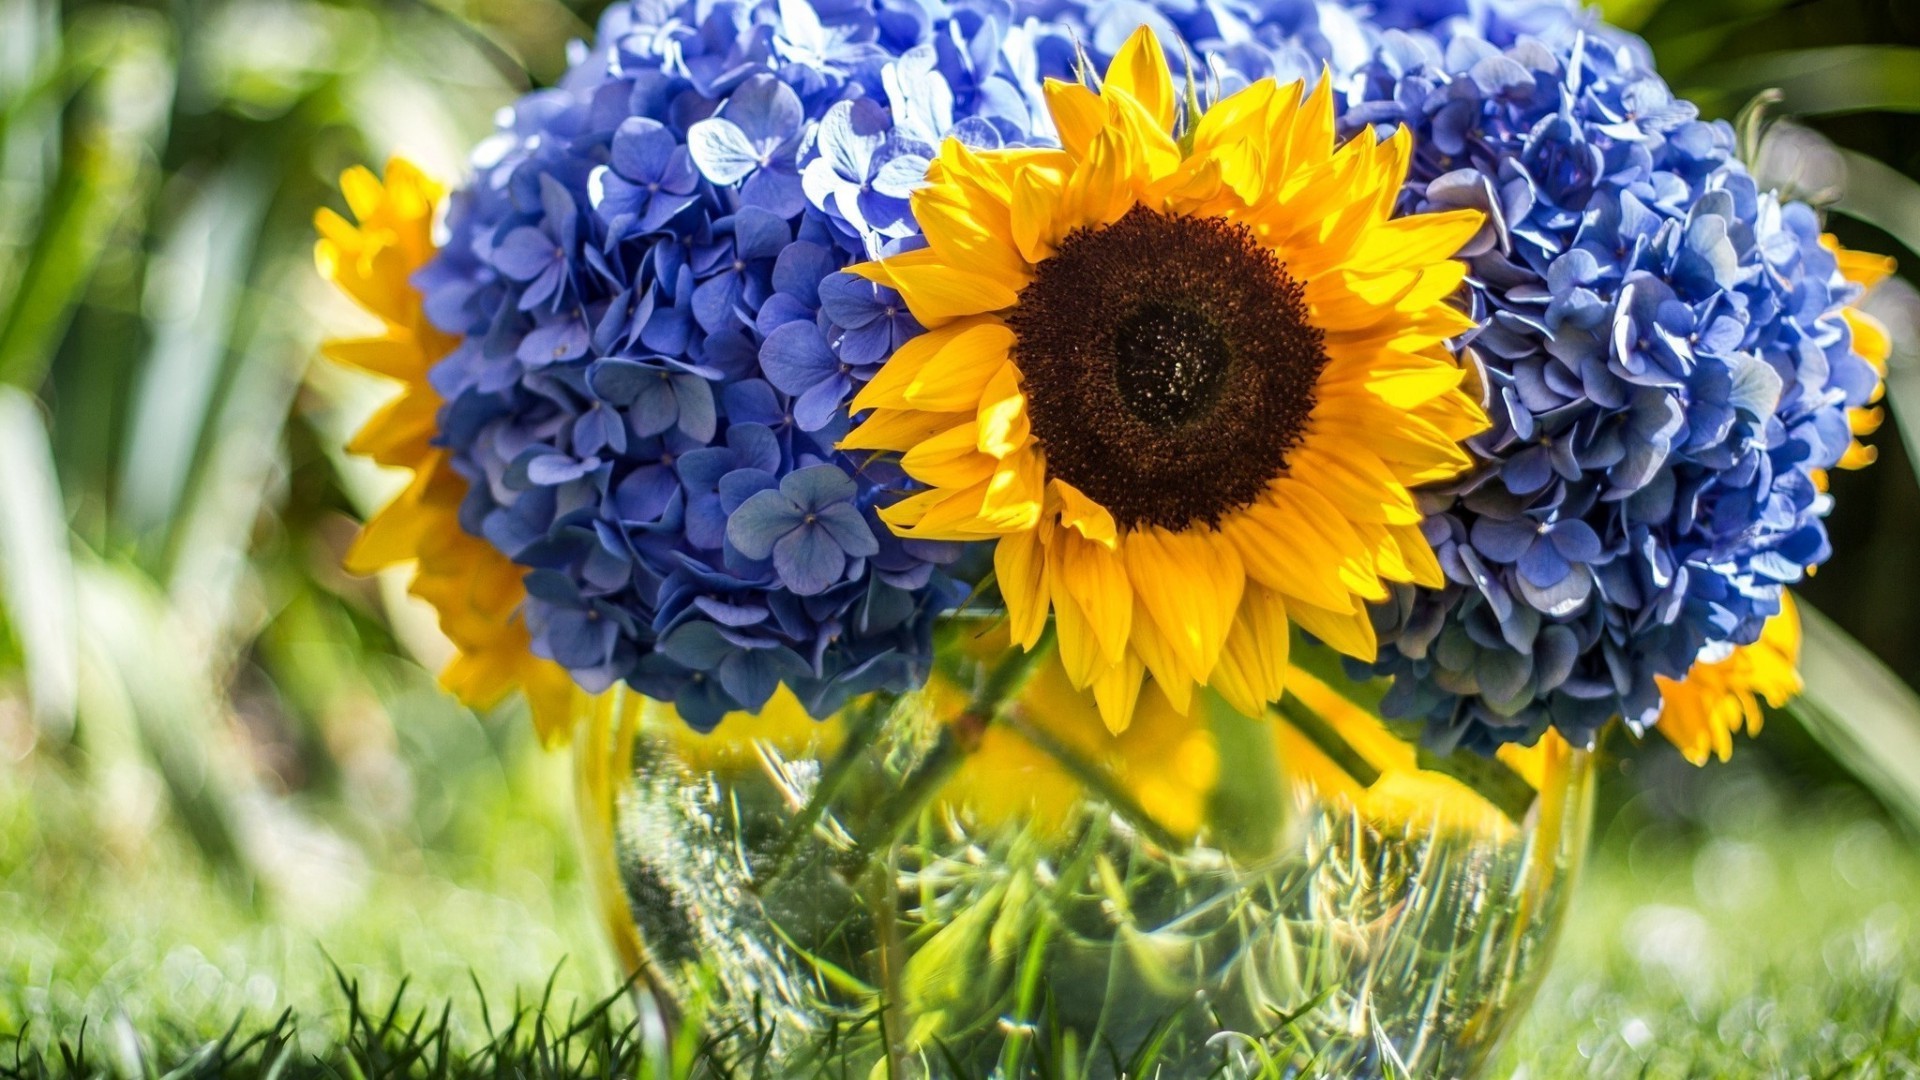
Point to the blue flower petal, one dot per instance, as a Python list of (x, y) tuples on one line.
[(807, 559), (761, 521)]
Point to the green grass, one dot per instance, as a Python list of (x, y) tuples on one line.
[(465, 883), (1733, 926), (1777, 934)]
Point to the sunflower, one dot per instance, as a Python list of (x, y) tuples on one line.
[(1183, 379), (1701, 713), (1871, 342), (475, 589)]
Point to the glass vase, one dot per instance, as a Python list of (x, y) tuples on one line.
[(978, 879)]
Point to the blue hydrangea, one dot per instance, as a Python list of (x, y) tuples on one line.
[(659, 340), (1666, 367)]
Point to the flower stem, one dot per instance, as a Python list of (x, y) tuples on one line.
[(1325, 739), (865, 723), (893, 1017), (1489, 778), (959, 737), (1097, 780)]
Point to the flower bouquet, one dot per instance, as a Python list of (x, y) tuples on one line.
[(1100, 537)]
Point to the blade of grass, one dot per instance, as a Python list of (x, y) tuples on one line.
[(96, 186), (173, 709), (36, 572), (1864, 714), (193, 297)]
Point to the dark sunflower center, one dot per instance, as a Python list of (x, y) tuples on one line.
[(1169, 366), (1170, 363)]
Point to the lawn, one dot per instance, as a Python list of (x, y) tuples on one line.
[(1745, 926)]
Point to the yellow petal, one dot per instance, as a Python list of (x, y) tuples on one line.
[(949, 375), (1871, 340), (1097, 579), (1418, 240), (1233, 119), (1004, 427), (1073, 631), (1333, 543), (888, 387), (395, 355), (1019, 568), (393, 536), (1116, 692), (951, 459), (1356, 482), (1308, 134), (1139, 70), (1016, 493), (958, 379), (1078, 115), (938, 293), (1401, 380), (1100, 189), (1416, 451), (1190, 583), (1351, 633), (1083, 515), (1280, 553), (1036, 192), (895, 429), (1253, 668), (1421, 562), (947, 514), (1175, 682), (969, 226)]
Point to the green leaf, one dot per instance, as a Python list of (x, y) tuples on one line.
[(1883, 197), (1250, 819), (1864, 714), (1903, 398), (95, 187), (162, 690), (1687, 35), (1844, 79), (36, 572), (193, 290), (1630, 14)]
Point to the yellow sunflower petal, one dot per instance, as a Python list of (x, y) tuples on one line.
[(1078, 114), (1116, 693), (1096, 577), (1004, 427), (1351, 633), (1252, 671), (1139, 70), (950, 459), (1191, 585), (1720, 698), (936, 292), (896, 429), (1019, 568), (474, 589), (1083, 515)]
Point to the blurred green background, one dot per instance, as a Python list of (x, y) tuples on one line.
[(225, 770)]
